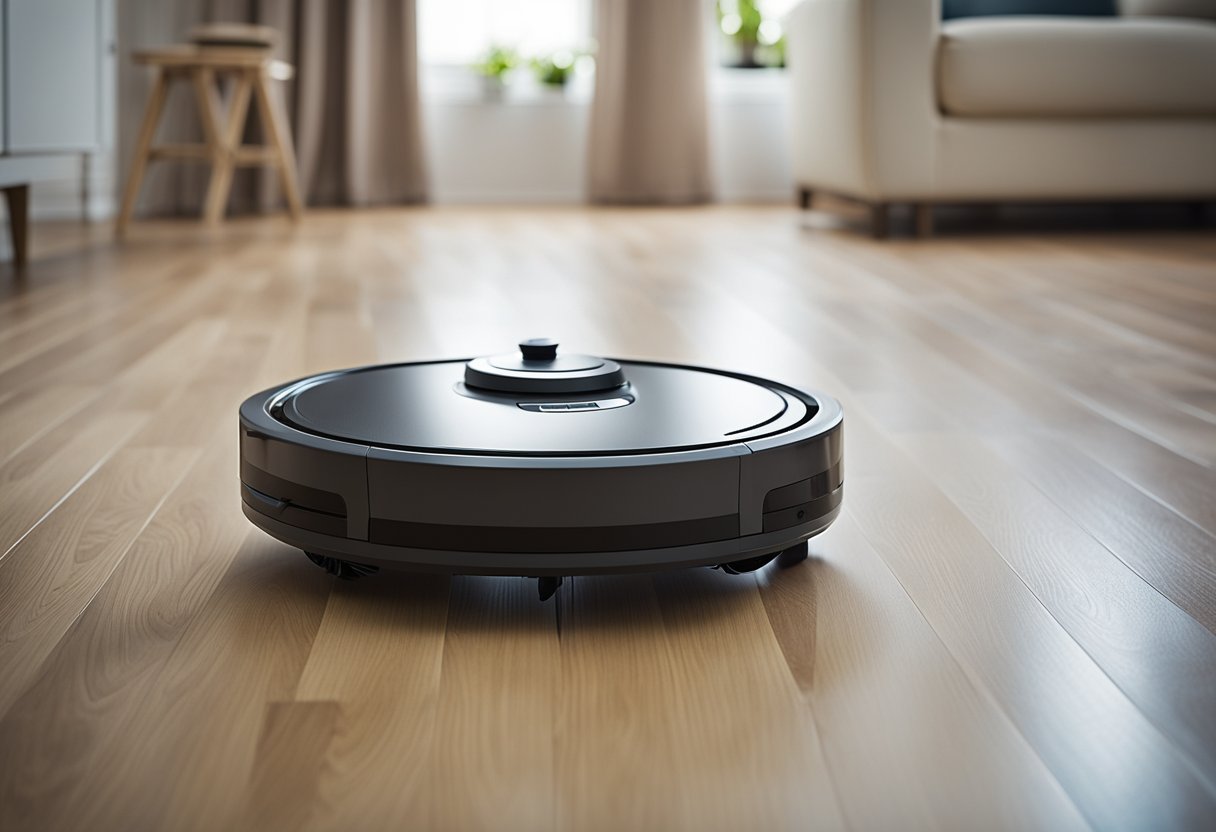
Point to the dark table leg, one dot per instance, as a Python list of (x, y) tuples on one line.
[(18, 198)]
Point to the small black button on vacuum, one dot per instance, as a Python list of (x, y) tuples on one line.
[(538, 349)]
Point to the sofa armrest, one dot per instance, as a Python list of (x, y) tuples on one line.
[(863, 105)]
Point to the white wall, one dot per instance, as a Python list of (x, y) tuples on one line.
[(529, 146), (749, 136)]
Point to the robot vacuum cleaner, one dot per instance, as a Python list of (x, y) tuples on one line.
[(541, 464)]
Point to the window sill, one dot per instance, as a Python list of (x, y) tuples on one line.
[(456, 85), (733, 84), (462, 86)]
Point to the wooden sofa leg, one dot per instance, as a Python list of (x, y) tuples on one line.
[(880, 220), (805, 197), (924, 220)]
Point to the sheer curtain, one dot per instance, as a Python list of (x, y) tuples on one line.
[(649, 139), (353, 105)]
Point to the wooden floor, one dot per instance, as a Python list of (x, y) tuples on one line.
[(1011, 626)]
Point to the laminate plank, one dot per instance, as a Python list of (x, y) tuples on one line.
[(1188, 388), (1063, 710), (378, 653), (108, 349), (33, 481), (494, 768), (247, 645), (85, 702), (1173, 555), (1087, 381), (618, 691), (83, 308), (48, 578), (1174, 293), (1129, 629), (1150, 323), (888, 696), (740, 722), (1168, 552), (27, 414), (1027, 279), (1150, 342), (642, 713), (288, 764)]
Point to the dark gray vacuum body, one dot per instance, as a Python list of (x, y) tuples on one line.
[(540, 464)]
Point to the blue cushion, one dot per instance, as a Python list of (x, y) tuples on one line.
[(981, 8)]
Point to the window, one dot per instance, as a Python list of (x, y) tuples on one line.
[(752, 34), (461, 32)]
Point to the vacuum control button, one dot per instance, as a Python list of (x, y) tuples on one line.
[(565, 407)]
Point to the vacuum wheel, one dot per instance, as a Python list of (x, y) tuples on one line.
[(548, 586), (346, 570), (786, 557), (793, 555)]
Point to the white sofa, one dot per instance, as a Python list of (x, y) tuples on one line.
[(892, 105)]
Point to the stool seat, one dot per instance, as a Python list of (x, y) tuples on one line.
[(189, 55), (250, 69)]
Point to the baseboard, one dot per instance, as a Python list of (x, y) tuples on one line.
[(61, 200)]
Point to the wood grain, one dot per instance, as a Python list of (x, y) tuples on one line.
[(870, 640), (1011, 626)]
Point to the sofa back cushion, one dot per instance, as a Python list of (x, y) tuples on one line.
[(984, 8), (1070, 68), (1167, 8)]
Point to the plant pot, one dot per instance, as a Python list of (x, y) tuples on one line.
[(493, 87)]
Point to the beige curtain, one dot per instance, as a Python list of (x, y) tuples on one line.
[(649, 138), (353, 105)]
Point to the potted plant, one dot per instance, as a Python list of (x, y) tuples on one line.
[(554, 70), (493, 69), (755, 35), (740, 21)]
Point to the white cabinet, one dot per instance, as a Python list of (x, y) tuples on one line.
[(50, 94), (3, 83), (53, 57)]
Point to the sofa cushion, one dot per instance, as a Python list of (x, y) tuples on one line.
[(1168, 8), (1075, 67), (978, 8)]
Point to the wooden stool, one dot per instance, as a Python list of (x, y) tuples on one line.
[(251, 70)]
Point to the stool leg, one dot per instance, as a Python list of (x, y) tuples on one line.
[(280, 139), (225, 160), (208, 113), (143, 144)]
